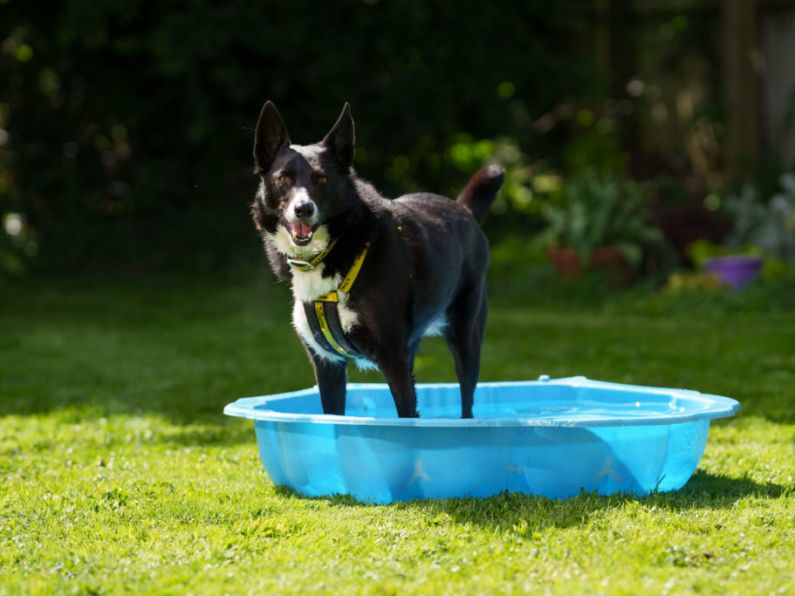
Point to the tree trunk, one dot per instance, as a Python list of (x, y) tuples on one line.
[(741, 63)]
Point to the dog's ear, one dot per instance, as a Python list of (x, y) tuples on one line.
[(271, 135), (341, 139)]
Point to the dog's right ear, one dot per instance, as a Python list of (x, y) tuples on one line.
[(271, 135)]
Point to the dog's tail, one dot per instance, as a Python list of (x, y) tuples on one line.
[(482, 189)]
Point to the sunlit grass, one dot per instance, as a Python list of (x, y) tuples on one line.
[(119, 472)]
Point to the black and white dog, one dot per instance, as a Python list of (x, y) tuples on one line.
[(371, 276)]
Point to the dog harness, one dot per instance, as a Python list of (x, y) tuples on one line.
[(322, 313)]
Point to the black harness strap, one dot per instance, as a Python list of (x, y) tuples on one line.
[(321, 313)]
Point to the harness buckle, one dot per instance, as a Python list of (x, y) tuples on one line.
[(300, 265)]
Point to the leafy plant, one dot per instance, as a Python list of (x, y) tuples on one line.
[(525, 186), (601, 210), (692, 282), (768, 225)]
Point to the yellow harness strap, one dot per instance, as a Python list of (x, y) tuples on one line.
[(347, 281), (319, 305)]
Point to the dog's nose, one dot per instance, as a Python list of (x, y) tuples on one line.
[(304, 210)]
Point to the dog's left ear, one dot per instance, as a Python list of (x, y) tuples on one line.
[(341, 139)]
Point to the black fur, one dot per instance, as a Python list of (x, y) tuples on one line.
[(427, 257)]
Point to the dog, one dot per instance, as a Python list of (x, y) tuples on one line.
[(371, 276)]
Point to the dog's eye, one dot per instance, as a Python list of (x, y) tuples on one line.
[(284, 179), (320, 179)]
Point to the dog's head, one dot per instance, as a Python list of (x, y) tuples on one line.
[(302, 188)]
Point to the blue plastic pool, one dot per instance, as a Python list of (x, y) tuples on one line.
[(547, 437)]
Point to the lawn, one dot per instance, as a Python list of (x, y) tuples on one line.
[(120, 474)]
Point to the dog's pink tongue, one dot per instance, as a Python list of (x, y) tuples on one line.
[(301, 229)]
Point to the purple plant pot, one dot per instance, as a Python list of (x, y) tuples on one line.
[(734, 271)]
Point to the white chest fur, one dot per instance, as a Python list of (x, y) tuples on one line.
[(309, 285)]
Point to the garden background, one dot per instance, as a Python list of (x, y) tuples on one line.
[(641, 139)]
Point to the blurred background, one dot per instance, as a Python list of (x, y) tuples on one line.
[(641, 136)]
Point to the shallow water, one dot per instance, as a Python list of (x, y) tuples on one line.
[(547, 404)]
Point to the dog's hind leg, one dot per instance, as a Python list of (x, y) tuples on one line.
[(331, 379), (464, 333)]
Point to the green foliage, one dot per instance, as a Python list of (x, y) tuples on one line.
[(130, 124), (119, 474), (701, 250), (602, 210), (596, 147), (699, 281)]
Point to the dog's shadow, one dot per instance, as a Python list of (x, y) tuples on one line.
[(509, 511)]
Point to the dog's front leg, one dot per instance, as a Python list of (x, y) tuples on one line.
[(397, 370), (331, 379)]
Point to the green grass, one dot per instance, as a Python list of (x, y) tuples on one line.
[(119, 473)]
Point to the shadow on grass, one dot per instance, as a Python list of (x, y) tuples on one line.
[(704, 485), (509, 511)]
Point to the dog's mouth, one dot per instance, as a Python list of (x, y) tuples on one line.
[(301, 232)]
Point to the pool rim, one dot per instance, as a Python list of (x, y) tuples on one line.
[(717, 406)]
